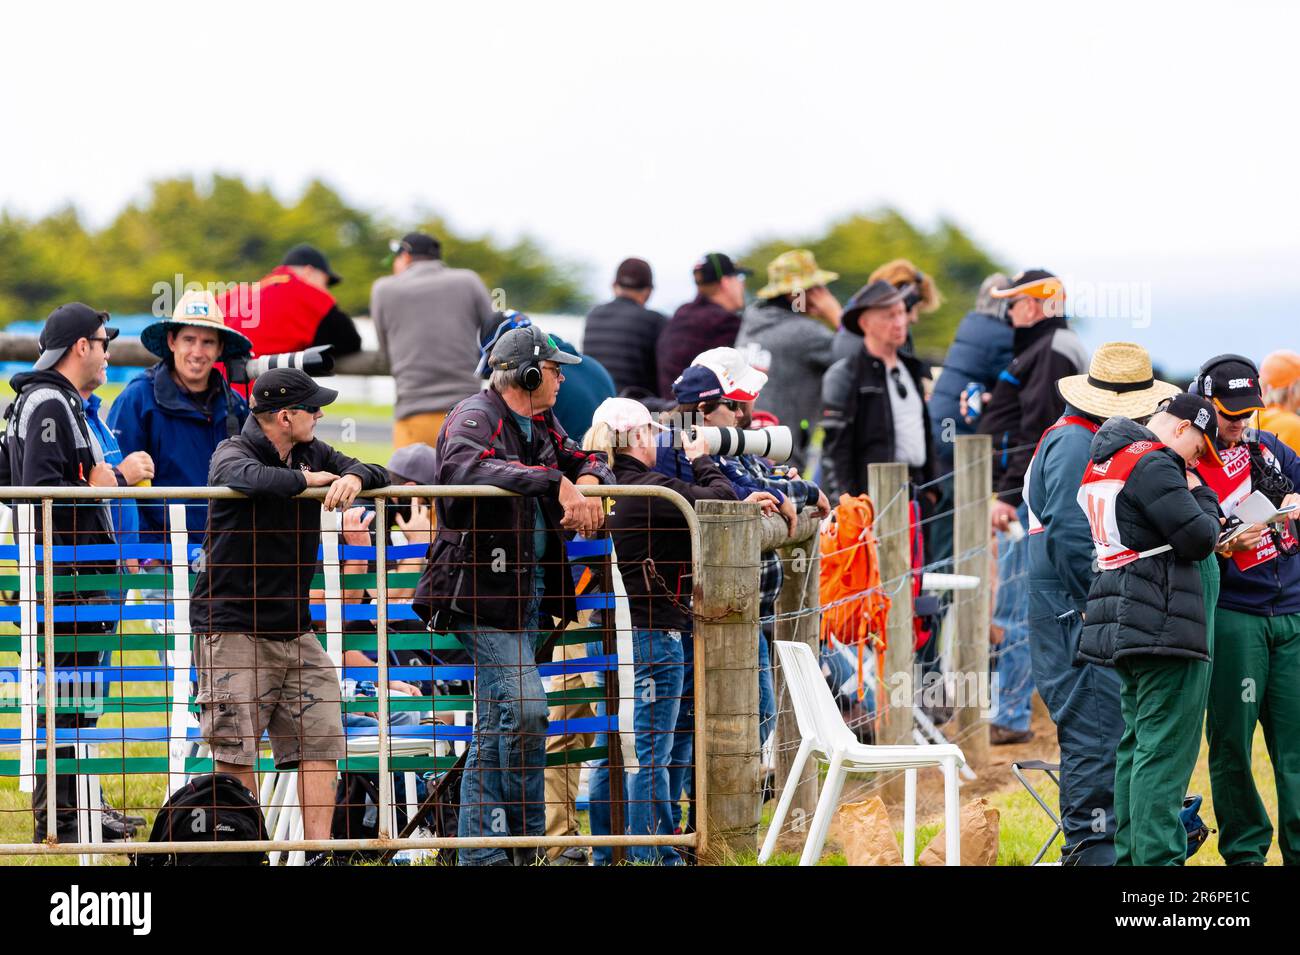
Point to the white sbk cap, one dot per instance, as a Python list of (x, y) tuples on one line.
[(740, 380), (623, 415)]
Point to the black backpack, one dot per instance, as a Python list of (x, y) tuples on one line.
[(212, 808)]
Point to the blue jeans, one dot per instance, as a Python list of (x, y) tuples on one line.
[(766, 690), (840, 667), (1011, 613), (657, 658), (502, 792), (681, 775)]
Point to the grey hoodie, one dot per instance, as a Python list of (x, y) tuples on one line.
[(798, 353)]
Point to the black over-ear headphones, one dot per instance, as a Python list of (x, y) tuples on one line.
[(530, 368)]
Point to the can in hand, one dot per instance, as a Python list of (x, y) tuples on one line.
[(974, 392)]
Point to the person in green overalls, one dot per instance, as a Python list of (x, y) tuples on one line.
[(1153, 525), (1256, 678)]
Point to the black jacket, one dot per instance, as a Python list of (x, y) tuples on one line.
[(858, 420), (650, 533), (622, 336), (482, 558), (1025, 402), (1153, 606), (49, 444), (260, 552)]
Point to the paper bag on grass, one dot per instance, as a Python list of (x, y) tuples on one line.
[(863, 829), (979, 837)]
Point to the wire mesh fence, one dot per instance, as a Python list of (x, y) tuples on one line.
[(494, 721), (156, 682)]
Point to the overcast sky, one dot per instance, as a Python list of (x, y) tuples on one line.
[(1115, 143)]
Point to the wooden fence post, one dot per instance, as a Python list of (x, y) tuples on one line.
[(726, 685), (887, 485), (972, 495), (800, 592)]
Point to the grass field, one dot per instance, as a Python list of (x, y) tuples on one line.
[(1023, 826)]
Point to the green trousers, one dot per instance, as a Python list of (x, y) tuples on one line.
[(1162, 700), (1256, 680)]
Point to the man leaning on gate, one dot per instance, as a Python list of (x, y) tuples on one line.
[(497, 576)]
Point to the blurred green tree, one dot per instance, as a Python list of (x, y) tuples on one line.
[(223, 230), (856, 245)]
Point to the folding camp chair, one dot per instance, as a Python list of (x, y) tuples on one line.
[(1052, 771)]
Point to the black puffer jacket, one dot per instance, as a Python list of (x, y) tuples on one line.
[(1153, 606), (622, 336)]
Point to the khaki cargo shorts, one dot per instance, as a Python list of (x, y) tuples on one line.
[(286, 688)]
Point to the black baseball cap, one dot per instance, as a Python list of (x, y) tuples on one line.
[(634, 274), (530, 343), (1200, 413), (280, 388), (878, 294), (304, 254), (1232, 383), (417, 243), (715, 266), (65, 326)]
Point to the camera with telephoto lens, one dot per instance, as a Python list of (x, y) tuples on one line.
[(315, 361), (774, 443)]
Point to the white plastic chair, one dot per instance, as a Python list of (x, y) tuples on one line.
[(825, 737)]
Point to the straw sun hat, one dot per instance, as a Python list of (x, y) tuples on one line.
[(198, 309), (1119, 382)]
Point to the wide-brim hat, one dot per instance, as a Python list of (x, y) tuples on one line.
[(877, 294), (793, 272), (1119, 381), (197, 310)]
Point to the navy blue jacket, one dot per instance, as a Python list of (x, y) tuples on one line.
[(980, 351), (152, 415), (1060, 557), (586, 385), (1271, 589)]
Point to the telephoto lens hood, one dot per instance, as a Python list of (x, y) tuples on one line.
[(315, 361), (774, 443)]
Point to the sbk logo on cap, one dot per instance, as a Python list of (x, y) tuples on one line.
[(1241, 383)]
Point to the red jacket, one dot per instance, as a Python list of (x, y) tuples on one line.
[(281, 315)]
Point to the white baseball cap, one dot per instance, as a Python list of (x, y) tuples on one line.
[(624, 414), (740, 380)]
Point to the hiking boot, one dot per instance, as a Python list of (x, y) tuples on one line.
[(1001, 736), (115, 826), (135, 822), (533, 856), (573, 855)]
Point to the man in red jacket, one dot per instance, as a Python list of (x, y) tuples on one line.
[(291, 308)]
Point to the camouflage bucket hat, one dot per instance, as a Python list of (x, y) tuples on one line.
[(793, 272)]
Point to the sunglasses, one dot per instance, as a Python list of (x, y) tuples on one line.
[(101, 340), (897, 374), (310, 409)]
